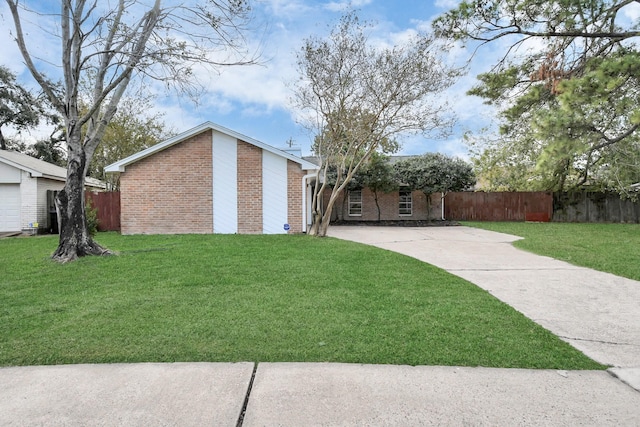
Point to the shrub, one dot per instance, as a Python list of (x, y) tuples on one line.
[(92, 218)]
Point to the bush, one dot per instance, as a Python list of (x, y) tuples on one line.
[(92, 218)]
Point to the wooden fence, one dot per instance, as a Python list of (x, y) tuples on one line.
[(472, 206), (505, 206), (107, 205), (594, 207)]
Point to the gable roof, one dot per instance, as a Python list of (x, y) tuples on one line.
[(41, 169), (36, 167), (121, 165)]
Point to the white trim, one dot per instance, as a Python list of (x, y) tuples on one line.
[(121, 165), (305, 195), (224, 152)]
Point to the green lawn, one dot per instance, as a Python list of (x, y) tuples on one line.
[(255, 298), (614, 248)]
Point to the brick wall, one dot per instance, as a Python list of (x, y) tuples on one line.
[(389, 207), (294, 196), (249, 189), (170, 191)]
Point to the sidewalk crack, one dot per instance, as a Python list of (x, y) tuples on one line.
[(247, 396)]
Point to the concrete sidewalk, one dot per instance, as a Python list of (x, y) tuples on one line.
[(310, 394), (598, 313)]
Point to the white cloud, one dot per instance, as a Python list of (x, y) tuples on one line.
[(42, 44), (340, 6), (254, 99), (447, 4), (631, 12), (284, 9)]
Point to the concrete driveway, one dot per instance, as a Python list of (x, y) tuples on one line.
[(598, 313)]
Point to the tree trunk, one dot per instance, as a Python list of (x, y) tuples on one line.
[(375, 197), (315, 224), (323, 225), (321, 220), (75, 240), (428, 196), (3, 143)]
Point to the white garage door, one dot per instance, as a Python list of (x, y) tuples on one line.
[(10, 207)]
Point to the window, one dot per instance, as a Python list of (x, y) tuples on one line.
[(406, 203), (355, 203)]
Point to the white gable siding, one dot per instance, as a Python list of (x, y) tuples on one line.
[(9, 174), (274, 193), (225, 184)]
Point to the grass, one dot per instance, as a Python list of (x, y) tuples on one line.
[(256, 298), (613, 248)]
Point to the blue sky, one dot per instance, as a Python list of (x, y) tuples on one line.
[(255, 100)]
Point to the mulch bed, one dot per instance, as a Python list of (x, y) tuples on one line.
[(400, 223)]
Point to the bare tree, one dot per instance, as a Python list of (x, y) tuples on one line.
[(360, 98), (116, 42)]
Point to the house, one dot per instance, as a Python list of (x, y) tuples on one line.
[(396, 206), (211, 179), (26, 188), (360, 205)]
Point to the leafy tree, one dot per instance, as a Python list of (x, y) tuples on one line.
[(377, 175), (435, 173), (571, 106), (50, 150), (360, 98), (18, 107), (114, 43), (132, 129)]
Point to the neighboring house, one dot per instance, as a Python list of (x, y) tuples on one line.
[(399, 205), (26, 188), (211, 179)]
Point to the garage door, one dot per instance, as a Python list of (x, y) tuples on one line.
[(10, 207)]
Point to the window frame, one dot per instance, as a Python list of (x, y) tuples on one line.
[(405, 204), (352, 205)]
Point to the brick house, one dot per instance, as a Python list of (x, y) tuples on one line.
[(395, 206), (399, 205), (27, 189), (211, 179)]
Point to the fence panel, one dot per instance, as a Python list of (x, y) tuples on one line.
[(108, 206), (594, 207), (503, 206)]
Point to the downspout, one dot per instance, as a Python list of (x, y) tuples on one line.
[(442, 205), (304, 200)]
